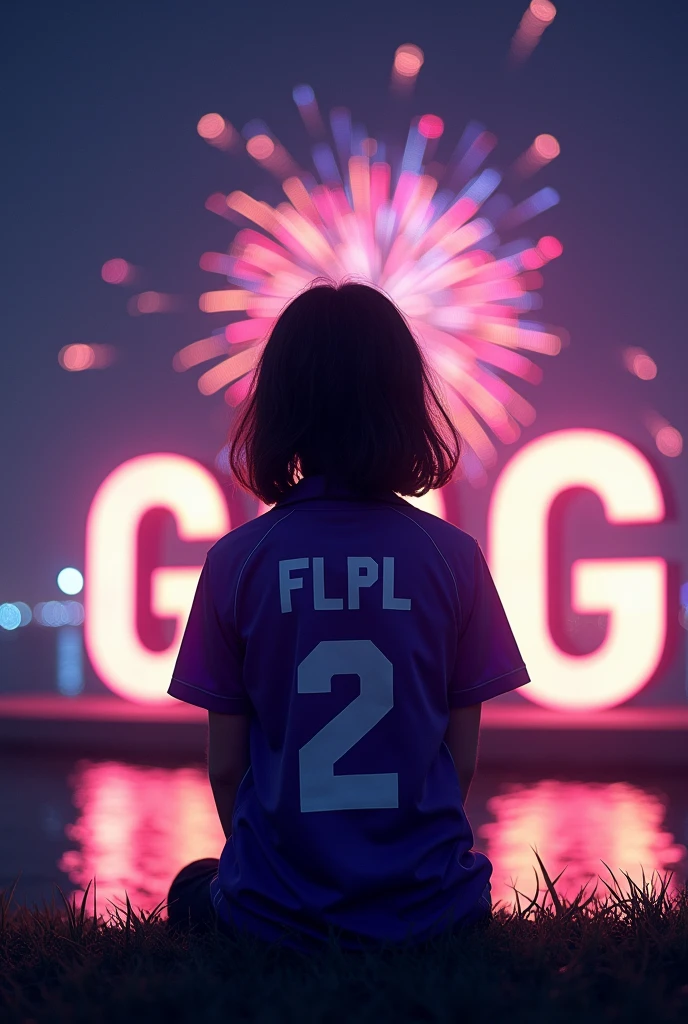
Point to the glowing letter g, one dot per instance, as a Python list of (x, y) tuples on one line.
[(631, 591), (196, 501)]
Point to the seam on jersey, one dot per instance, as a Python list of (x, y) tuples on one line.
[(217, 696), (236, 592), (494, 679), (458, 599)]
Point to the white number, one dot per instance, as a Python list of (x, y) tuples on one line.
[(321, 789)]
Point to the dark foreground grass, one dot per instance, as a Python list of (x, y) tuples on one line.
[(621, 956)]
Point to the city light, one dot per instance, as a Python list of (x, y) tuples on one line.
[(58, 613), (10, 616), (70, 581), (24, 611)]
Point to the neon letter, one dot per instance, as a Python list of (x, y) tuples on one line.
[(631, 591), (196, 501)]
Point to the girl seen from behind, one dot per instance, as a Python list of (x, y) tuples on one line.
[(343, 643)]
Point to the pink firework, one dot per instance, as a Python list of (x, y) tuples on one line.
[(428, 235)]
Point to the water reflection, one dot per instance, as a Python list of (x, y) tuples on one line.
[(138, 825), (576, 825)]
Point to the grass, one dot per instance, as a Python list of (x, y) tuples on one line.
[(616, 955)]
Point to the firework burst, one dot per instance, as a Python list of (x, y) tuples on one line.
[(429, 236)]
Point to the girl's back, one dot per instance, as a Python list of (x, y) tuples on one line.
[(347, 628), (344, 625)]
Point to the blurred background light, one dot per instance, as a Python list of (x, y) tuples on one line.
[(638, 362), (59, 613), (152, 302), (408, 60), (211, 126), (303, 95), (547, 147), (537, 17), (10, 616), (305, 100), (70, 581), (260, 147), (669, 441), (542, 151), (53, 613), (77, 357), (70, 661), (431, 126), (25, 612), (683, 613), (542, 11), (549, 247), (118, 271), (217, 131)]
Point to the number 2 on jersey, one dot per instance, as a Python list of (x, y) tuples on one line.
[(321, 789)]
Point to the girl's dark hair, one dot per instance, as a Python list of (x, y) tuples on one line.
[(342, 389)]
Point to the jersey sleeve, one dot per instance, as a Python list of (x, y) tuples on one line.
[(488, 661), (208, 670)]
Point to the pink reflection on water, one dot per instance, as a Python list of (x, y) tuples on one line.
[(576, 825), (136, 828)]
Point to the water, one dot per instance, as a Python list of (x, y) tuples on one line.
[(133, 826)]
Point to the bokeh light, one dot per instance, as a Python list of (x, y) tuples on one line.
[(59, 613), (431, 126), (549, 247), (117, 271), (70, 581), (543, 150), (639, 363), (10, 616), (546, 147), (408, 60), (303, 95), (543, 10), (260, 147), (76, 357), (79, 357), (152, 302), (24, 611), (537, 17), (669, 441), (217, 131), (211, 126)]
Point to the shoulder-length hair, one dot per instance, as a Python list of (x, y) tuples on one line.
[(343, 389)]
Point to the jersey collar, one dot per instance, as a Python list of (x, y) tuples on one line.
[(312, 487)]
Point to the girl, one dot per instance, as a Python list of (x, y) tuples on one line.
[(342, 644)]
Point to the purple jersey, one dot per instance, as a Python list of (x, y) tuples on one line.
[(346, 629)]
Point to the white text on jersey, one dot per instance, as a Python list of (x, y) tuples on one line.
[(362, 571)]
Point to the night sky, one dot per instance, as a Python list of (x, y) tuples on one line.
[(102, 159)]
